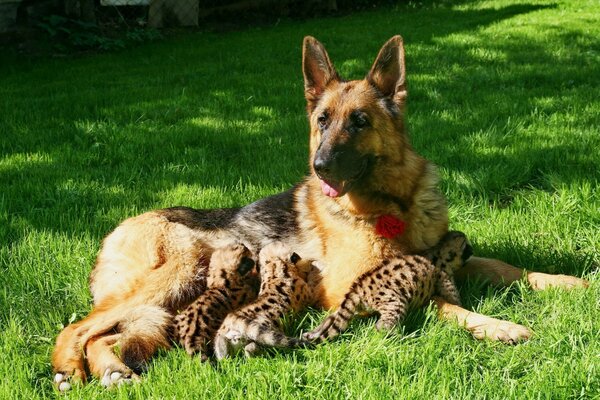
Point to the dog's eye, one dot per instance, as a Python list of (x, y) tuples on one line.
[(322, 120), (359, 120)]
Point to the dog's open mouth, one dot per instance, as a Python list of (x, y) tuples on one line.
[(332, 188)]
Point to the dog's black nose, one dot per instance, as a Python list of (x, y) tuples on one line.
[(321, 165)]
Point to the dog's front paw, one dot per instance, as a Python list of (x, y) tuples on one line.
[(117, 377), (541, 281), (503, 331)]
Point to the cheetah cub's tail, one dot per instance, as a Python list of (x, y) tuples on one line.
[(337, 322)]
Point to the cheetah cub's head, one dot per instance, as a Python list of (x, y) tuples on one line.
[(232, 266), (277, 261), (453, 251)]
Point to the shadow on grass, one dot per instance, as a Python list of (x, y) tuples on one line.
[(119, 131)]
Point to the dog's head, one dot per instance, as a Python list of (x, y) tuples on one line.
[(356, 126)]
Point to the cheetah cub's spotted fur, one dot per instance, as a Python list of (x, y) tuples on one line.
[(229, 286), (283, 289), (398, 283)]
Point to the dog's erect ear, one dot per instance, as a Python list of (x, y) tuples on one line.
[(317, 68), (388, 73)]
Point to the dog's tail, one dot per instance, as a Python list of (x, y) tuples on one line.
[(144, 330)]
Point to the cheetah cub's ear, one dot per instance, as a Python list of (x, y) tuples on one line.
[(246, 264), (294, 258), (274, 250), (280, 254), (304, 267), (277, 250)]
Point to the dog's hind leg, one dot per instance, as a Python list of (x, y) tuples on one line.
[(143, 328), (115, 355), (67, 357), (501, 273), (105, 364)]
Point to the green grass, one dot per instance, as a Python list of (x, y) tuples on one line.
[(503, 97)]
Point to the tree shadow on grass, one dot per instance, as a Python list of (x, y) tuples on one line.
[(150, 121), (102, 168), (500, 141), (120, 133)]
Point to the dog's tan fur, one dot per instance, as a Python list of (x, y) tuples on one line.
[(159, 259)]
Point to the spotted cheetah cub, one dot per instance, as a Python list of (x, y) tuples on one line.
[(229, 286), (283, 289), (398, 283)]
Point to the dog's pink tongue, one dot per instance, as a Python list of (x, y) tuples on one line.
[(331, 189)]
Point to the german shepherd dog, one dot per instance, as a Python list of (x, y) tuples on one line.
[(368, 196)]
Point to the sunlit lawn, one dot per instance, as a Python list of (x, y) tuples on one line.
[(504, 97)]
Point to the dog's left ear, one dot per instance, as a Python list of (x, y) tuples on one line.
[(388, 73)]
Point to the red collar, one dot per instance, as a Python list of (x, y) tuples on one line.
[(389, 226)]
